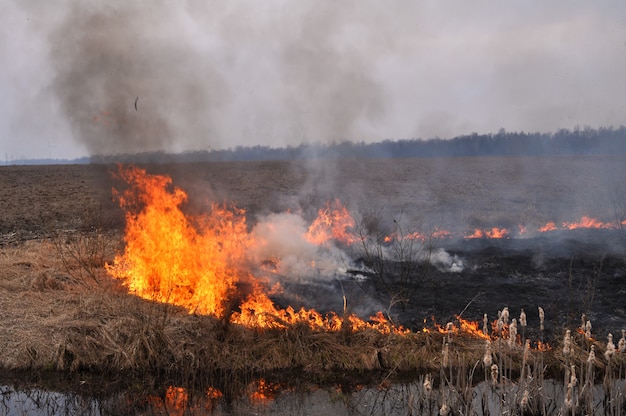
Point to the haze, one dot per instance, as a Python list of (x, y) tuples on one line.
[(90, 77)]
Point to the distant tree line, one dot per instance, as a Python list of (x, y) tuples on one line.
[(580, 141)]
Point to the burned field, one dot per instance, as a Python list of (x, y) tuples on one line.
[(431, 246)]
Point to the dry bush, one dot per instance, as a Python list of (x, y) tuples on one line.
[(394, 255), (84, 254)]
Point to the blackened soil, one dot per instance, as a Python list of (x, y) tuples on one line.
[(495, 275)]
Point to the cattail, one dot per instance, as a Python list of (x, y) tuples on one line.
[(428, 386), (583, 321), (505, 315), (522, 319), (591, 359), (567, 343), (588, 330), (524, 400), (572, 378), (526, 351), (569, 396), (449, 329), (494, 373), (621, 345), (610, 348), (500, 325), (512, 333), (485, 324), (487, 360), (444, 410), (542, 317), (445, 354)]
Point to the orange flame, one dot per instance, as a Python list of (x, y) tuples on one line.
[(332, 223), (542, 346), (170, 258), (495, 232), (201, 263), (587, 222), (472, 328), (550, 226)]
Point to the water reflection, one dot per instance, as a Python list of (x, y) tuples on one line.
[(20, 402), (261, 397)]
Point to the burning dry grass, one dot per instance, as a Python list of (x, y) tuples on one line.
[(53, 322)]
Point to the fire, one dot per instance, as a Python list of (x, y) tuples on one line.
[(441, 234), (587, 222), (584, 222), (495, 232), (207, 264), (542, 346), (332, 223), (550, 226), (203, 263), (171, 258), (472, 328)]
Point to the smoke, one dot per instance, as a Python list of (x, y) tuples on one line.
[(134, 76), (282, 237), (445, 262), (126, 80)]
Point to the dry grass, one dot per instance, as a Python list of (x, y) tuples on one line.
[(53, 322)]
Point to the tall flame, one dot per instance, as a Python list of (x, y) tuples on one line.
[(202, 263), (170, 258)]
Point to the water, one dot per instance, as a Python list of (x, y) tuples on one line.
[(261, 398)]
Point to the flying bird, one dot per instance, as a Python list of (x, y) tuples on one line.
[(136, 100)]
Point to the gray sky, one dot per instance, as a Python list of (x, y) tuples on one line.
[(217, 74)]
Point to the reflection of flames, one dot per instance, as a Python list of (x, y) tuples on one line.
[(264, 392), (177, 401), (176, 398)]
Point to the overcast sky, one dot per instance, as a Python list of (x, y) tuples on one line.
[(216, 74)]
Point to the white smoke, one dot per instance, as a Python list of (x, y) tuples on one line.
[(444, 262), (281, 239)]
